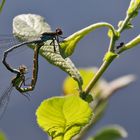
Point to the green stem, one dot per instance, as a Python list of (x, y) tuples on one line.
[(69, 44), (125, 22), (100, 72), (1, 5), (106, 63), (133, 43), (112, 44), (81, 33)]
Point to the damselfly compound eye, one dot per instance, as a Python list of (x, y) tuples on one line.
[(23, 69), (59, 31)]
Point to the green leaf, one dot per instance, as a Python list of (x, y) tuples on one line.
[(112, 132), (30, 26), (2, 136), (2, 5), (63, 117)]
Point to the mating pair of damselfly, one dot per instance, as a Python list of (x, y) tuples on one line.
[(19, 81)]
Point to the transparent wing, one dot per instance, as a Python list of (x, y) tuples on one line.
[(4, 100), (8, 41)]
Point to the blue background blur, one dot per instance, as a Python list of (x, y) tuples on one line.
[(19, 121)]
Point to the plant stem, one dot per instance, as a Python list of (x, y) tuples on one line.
[(70, 43), (101, 70), (133, 43), (112, 44), (1, 5), (106, 63), (126, 20)]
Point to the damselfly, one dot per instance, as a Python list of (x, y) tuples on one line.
[(16, 82), (53, 36), (19, 82)]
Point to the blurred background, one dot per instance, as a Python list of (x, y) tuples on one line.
[(19, 121)]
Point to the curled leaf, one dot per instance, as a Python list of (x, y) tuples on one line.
[(29, 26)]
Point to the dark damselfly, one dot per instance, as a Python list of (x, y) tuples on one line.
[(53, 36), (19, 82), (16, 82)]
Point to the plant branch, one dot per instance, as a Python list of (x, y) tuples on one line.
[(106, 63), (100, 72), (131, 44), (124, 23)]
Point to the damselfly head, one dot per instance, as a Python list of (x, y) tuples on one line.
[(23, 69), (59, 31)]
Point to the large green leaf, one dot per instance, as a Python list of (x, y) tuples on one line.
[(112, 132), (63, 117)]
